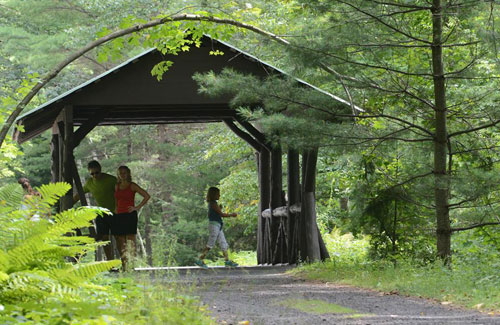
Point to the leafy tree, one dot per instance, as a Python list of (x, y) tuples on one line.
[(416, 68)]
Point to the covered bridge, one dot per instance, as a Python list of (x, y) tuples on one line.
[(130, 95)]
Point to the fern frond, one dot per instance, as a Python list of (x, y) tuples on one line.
[(33, 255), (69, 220), (53, 191), (3, 277), (90, 270), (18, 231), (11, 196)]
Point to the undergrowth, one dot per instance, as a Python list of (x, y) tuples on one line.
[(472, 280), (45, 277)]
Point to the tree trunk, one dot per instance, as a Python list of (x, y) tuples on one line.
[(129, 141), (308, 210), (263, 244), (302, 241), (277, 230), (441, 180), (147, 239), (293, 198)]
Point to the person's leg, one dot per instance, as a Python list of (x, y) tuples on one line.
[(213, 230), (204, 252), (121, 243), (130, 246), (223, 244), (102, 234), (108, 249)]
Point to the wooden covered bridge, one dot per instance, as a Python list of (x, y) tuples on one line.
[(129, 95)]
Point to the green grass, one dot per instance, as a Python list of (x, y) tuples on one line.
[(473, 281), (243, 258), (315, 306)]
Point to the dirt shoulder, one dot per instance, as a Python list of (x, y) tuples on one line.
[(269, 296)]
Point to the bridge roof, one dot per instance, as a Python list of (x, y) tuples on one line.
[(129, 95)]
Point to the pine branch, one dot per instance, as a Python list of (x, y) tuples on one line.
[(478, 225), (394, 29)]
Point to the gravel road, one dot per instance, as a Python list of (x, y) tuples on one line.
[(266, 295)]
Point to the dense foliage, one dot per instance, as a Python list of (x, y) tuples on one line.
[(376, 174), (44, 278)]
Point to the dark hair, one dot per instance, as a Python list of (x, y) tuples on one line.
[(212, 193), (25, 183), (94, 164)]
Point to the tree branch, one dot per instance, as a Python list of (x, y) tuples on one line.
[(484, 126), (475, 226), (386, 24)]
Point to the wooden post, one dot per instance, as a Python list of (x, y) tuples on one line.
[(55, 158), (293, 180), (301, 235), (278, 240), (81, 194), (263, 240), (309, 207), (54, 154), (67, 157), (67, 160)]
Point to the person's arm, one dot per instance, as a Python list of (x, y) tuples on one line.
[(217, 209), (136, 188)]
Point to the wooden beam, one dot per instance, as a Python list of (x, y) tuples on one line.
[(243, 135), (88, 126), (281, 212), (259, 137)]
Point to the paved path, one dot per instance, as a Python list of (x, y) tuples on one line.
[(255, 294)]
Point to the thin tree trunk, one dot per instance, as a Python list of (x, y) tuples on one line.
[(293, 198), (277, 232), (263, 255), (142, 248), (441, 180), (147, 239)]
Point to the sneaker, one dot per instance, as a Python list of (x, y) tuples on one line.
[(231, 264), (201, 264)]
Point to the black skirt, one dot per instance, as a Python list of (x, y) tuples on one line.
[(124, 224)]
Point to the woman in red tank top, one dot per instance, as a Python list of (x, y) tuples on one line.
[(125, 220)]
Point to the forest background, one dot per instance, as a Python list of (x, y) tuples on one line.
[(376, 177)]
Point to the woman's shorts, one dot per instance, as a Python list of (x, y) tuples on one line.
[(124, 224), (215, 233)]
